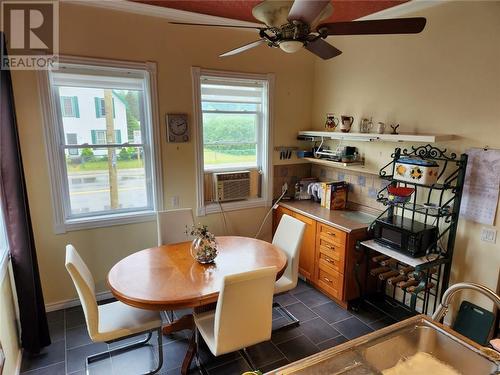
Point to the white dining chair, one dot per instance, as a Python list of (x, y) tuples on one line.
[(114, 321), (243, 316), (288, 237), (172, 225)]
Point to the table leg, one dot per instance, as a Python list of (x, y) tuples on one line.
[(186, 322), (190, 353)]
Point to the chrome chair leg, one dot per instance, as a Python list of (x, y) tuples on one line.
[(197, 359), (168, 315), (127, 347), (294, 322)]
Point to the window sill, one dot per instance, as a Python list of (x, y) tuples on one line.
[(226, 168), (104, 221), (212, 208)]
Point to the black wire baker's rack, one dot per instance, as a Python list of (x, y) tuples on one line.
[(435, 205)]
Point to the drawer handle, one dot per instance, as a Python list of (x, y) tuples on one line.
[(330, 247), (330, 233), (329, 260), (327, 279)]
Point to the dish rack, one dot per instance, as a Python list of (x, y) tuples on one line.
[(416, 284)]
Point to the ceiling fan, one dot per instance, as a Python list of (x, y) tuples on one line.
[(291, 25)]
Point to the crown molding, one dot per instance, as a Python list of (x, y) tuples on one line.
[(161, 12), (404, 9)]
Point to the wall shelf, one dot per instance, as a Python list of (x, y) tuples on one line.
[(374, 137), (355, 166)]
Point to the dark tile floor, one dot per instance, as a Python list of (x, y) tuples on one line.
[(323, 324)]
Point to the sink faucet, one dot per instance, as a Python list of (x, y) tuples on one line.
[(443, 307)]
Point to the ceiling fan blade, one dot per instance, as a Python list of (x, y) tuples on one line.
[(389, 26), (307, 11), (273, 13), (243, 48), (322, 49), (325, 13), (213, 25)]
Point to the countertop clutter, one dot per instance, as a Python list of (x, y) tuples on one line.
[(345, 220)]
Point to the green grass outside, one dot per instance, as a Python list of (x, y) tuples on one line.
[(211, 157), (214, 158)]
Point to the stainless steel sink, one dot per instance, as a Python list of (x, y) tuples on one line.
[(359, 217), (383, 349)]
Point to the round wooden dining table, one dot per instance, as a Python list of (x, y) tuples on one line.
[(168, 278)]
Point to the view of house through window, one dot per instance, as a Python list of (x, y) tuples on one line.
[(107, 162), (232, 122)]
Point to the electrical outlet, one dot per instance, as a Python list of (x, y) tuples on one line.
[(488, 235), (175, 201)]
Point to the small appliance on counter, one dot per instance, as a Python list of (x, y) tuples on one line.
[(315, 190), (411, 169), (302, 188), (412, 238)]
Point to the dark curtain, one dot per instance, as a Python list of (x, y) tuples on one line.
[(35, 331)]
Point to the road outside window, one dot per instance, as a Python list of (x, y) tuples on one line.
[(106, 157)]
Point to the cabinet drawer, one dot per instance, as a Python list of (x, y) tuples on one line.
[(331, 234), (331, 282), (329, 261), (332, 246)]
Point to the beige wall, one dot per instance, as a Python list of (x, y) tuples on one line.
[(8, 329), (445, 80), (94, 32)]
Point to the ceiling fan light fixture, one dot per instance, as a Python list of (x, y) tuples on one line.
[(290, 46)]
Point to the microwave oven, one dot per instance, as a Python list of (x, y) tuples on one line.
[(410, 237)]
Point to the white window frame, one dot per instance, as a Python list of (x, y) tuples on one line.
[(57, 171), (5, 253), (265, 200)]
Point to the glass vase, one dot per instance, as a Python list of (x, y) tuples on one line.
[(203, 250)]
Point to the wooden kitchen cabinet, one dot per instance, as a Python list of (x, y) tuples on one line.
[(336, 259), (328, 257), (308, 248)]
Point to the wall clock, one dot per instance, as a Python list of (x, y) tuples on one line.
[(177, 127)]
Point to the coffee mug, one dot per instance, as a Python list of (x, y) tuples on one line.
[(346, 123), (365, 125)]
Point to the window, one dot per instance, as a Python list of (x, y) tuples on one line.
[(99, 137), (232, 122), (97, 179), (100, 107), (233, 133), (72, 139), (4, 242), (69, 106)]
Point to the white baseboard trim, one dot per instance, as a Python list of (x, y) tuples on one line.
[(19, 361), (64, 304)]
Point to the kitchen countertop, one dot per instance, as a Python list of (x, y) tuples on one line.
[(335, 218)]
